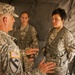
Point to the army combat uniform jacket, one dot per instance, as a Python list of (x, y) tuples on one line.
[(60, 48), (27, 38), (10, 63)]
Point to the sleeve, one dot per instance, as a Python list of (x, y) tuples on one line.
[(70, 45), (37, 72), (3, 44), (34, 38)]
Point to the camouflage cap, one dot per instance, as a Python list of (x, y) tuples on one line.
[(7, 9)]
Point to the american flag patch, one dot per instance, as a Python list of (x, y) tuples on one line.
[(14, 54)]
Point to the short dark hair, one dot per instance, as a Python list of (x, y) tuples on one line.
[(24, 12), (61, 12)]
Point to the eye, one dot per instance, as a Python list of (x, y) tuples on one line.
[(57, 19), (26, 17)]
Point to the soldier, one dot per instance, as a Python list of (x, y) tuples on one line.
[(10, 59), (60, 44), (26, 39), (25, 34)]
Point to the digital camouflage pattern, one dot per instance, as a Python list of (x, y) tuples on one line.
[(7, 9), (27, 38), (66, 50), (10, 59)]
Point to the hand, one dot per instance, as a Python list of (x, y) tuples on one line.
[(32, 51), (47, 67)]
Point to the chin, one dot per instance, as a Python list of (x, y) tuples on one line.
[(11, 29), (56, 26)]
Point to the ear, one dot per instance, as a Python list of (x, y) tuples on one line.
[(5, 20)]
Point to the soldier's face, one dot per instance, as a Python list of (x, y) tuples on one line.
[(24, 18), (57, 21), (10, 22)]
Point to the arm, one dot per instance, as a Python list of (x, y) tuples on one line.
[(44, 68), (34, 38), (70, 45)]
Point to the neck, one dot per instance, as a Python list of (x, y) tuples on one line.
[(60, 27), (3, 29), (24, 25)]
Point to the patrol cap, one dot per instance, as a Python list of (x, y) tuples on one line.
[(7, 9)]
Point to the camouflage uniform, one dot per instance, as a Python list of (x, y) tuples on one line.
[(64, 49), (27, 38), (10, 62)]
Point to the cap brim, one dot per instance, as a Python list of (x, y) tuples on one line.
[(15, 15)]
